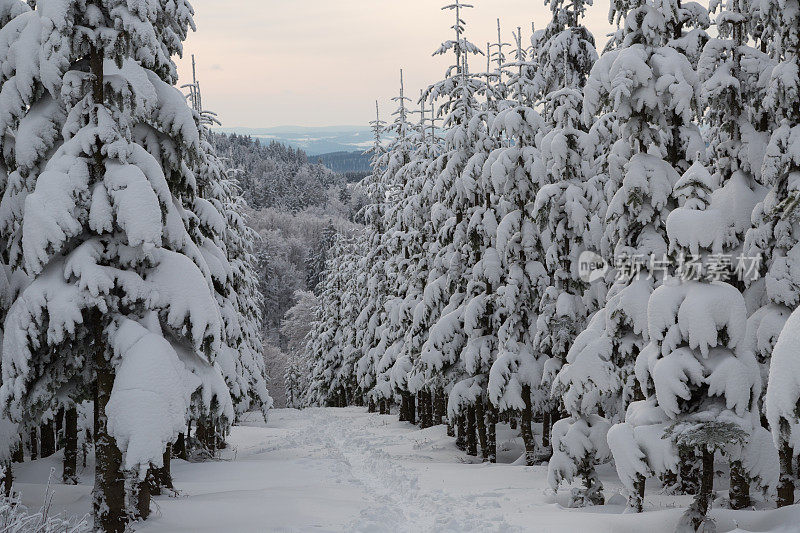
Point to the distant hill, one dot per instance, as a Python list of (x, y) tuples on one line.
[(276, 175), (313, 141), (353, 165)]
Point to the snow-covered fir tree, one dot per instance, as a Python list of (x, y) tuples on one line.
[(124, 236), (663, 137), (776, 232), (516, 170)]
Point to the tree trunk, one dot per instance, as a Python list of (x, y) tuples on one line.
[(740, 487), (491, 432), (163, 475), (59, 425), (180, 447), (429, 408), (18, 455), (109, 491), (786, 483), (402, 416), (461, 436), (7, 478), (34, 443), (439, 407), (480, 421), (546, 430), (706, 486), (412, 408), (472, 442), (70, 472), (425, 409), (48, 439), (526, 427), (636, 498), (142, 496), (371, 406)]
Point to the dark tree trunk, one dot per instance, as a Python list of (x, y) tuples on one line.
[(70, 473), (425, 409), (371, 406), (18, 455), (703, 500), (636, 499), (163, 475), (480, 422), (48, 439), (546, 430), (180, 447), (439, 407), (142, 494), (109, 492), (526, 427), (472, 441), (491, 432), (60, 428), (402, 416), (786, 483), (33, 444), (740, 487), (412, 408), (7, 478), (461, 436)]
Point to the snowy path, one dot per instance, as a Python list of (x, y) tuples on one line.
[(346, 470)]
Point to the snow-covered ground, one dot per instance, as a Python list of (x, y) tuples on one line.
[(346, 470)]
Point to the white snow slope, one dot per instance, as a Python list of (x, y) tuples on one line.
[(346, 470)]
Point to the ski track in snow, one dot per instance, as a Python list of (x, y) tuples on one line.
[(397, 496)]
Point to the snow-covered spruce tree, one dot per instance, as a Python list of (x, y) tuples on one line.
[(776, 231), (731, 71), (120, 295), (701, 377), (372, 266), (516, 170), (412, 229), (12, 280), (445, 290), (315, 262), (397, 364), (565, 60), (332, 377), (425, 270), (663, 139), (227, 243), (295, 329)]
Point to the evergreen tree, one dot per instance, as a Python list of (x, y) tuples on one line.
[(100, 214), (776, 232), (663, 138)]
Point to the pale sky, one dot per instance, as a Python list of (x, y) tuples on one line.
[(265, 63)]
